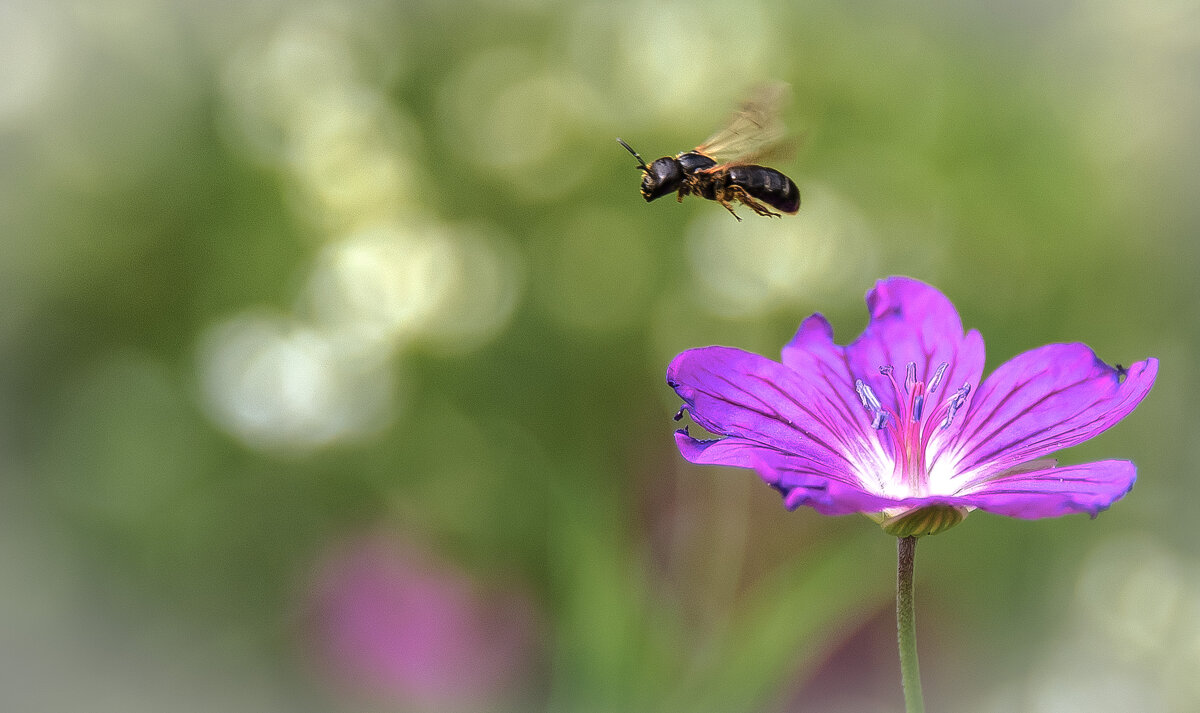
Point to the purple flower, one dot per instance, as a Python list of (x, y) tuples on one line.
[(898, 422), (394, 621)]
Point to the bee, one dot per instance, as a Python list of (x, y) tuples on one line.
[(721, 168)]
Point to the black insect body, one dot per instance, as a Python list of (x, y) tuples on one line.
[(754, 130), (746, 182)]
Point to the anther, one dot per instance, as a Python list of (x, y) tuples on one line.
[(910, 377), (955, 403), (868, 397), (871, 402), (937, 376)]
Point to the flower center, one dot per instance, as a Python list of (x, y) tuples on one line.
[(908, 429)]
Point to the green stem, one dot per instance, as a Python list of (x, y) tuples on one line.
[(906, 626)]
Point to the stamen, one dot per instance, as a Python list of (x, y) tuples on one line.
[(937, 377), (871, 402), (887, 371), (956, 401), (907, 432), (868, 397)]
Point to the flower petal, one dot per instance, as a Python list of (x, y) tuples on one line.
[(812, 350), (1052, 492), (1089, 487), (735, 393), (801, 480), (912, 322), (812, 354), (1041, 401)]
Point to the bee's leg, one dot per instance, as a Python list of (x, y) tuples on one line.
[(729, 208), (745, 198), (725, 196)]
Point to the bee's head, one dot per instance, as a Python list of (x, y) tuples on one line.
[(662, 177)]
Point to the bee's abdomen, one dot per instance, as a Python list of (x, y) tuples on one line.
[(767, 185)]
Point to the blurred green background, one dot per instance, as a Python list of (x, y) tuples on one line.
[(333, 341)]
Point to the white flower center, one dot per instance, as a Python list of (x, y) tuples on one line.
[(906, 432)]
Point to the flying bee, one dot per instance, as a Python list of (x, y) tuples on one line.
[(721, 168)]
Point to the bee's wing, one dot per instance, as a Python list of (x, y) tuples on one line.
[(754, 130)]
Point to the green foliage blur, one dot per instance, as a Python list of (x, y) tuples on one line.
[(281, 274)]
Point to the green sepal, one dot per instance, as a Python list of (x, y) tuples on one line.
[(928, 520)]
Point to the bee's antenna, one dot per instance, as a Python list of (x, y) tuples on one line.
[(641, 164)]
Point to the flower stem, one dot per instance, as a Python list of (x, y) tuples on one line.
[(906, 626)]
